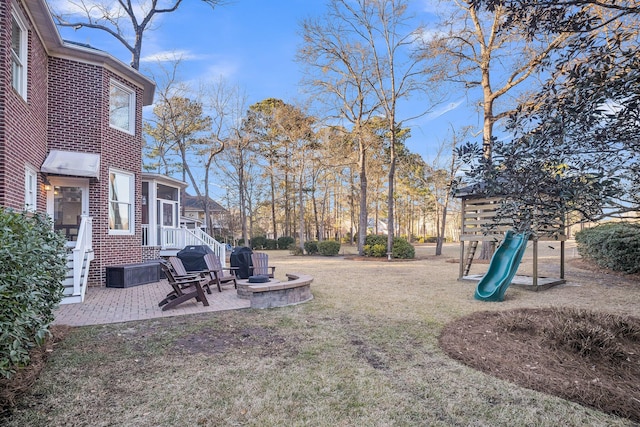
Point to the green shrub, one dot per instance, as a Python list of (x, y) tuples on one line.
[(311, 247), (378, 250), (258, 242), (614, 245), (285, 242), (295, 250), (329, 247), (33, 268), (376, 246), (271, 244), (375, 239), (402, 249)]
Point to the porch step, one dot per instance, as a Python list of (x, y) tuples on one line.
[(71, 299), (67, 283)]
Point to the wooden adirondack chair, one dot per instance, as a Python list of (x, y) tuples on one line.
[(261, 266), (181, 272), (217, 273), (183, 289)]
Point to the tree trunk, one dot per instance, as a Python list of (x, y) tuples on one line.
[(301, 212), (352, 203), (362, 227), (273, 206), (390, 200)]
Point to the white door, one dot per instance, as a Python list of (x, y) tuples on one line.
[(167, 223), (67, 201)]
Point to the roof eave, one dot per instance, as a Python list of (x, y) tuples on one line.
[(48, 33)]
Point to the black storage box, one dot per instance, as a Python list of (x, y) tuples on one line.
[(125, 276)]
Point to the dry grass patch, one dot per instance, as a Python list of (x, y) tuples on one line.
[(364, 352)]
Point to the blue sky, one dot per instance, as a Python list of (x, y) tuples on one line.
[(253, 43)]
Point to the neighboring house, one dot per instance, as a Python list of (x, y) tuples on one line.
[(193, 211), (71, 146)]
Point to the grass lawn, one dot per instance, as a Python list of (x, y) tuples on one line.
[(364, 352)]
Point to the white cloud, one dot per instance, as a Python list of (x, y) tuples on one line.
[(438, 7), (427, 34), (222, 69), (430, 6), (444, 109), (173, 55)]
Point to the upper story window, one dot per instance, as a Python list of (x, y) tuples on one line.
[(122, 108), (121, 194), (19, 52), (30, 189)]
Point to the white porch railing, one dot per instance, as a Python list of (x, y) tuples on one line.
[(199, 237), (178, 238), (82, 256)]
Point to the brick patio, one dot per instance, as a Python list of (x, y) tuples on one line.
[(104, 305)]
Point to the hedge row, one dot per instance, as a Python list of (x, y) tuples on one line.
[(325, 247), (33, 263), (614, 245), (261, 242)]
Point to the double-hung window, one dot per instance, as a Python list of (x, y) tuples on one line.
[(122, 108), (19, 44), (30, 189), (121, 207)]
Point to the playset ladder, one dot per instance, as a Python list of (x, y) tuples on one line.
[(471, 252)]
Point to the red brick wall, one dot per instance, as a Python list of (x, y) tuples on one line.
[(5, 67), (23, 124), (120, 151), (79, 121), (67, 108)]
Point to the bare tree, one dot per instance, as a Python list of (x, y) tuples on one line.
[(340, 71), (445, 168), (479, 51), (159, 149), (226, 105), (235, 164), (386, 27), (363, 52), (126, 20), (181, 121)]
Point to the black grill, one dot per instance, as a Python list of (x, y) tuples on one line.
[(192, 257), (241, 259)]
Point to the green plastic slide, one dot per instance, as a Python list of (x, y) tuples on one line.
[(503, 267)]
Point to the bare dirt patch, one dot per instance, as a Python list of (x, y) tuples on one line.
[(213, 341), (587, 357)]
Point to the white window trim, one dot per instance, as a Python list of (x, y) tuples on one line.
[(132, 212), (132, 107), (22, 59), (30, 189)]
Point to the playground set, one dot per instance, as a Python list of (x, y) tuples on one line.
[(480, 224)]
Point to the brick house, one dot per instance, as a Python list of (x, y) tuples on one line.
[(193, 210), (71, 145)]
